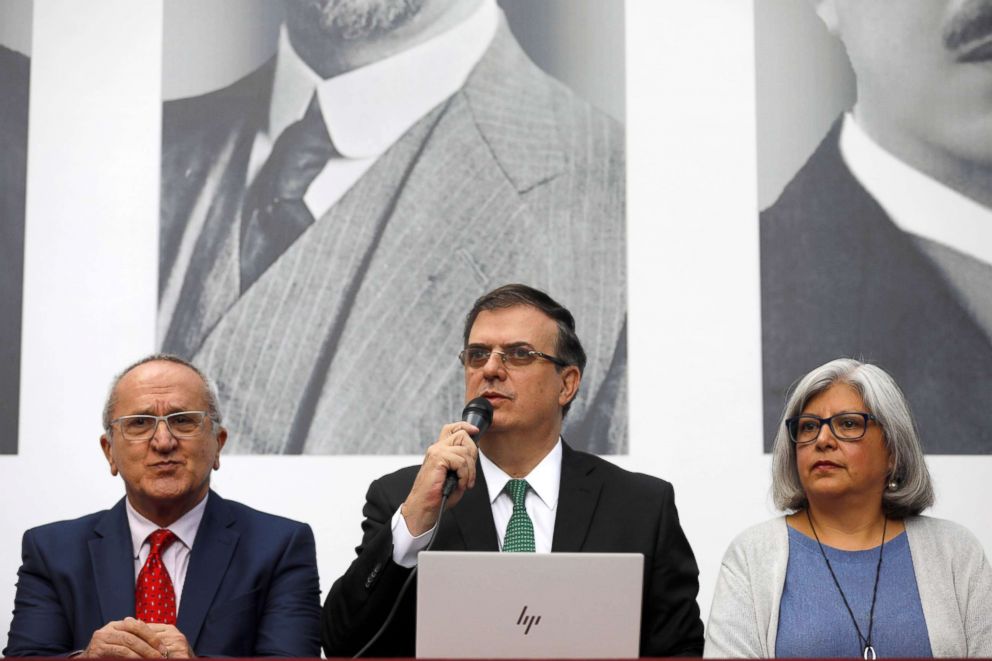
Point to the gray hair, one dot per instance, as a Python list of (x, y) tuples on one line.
[(210, 391), (883, 398)]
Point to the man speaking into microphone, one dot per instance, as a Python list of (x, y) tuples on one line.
[(522, 488)]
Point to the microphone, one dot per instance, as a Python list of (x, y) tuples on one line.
[(478, 413)]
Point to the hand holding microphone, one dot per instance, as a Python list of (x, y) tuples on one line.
[(479, 414), (449, 463)]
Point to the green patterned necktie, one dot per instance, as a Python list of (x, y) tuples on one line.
[(519, 530)]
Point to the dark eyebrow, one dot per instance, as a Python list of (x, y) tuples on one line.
[(511, 345)]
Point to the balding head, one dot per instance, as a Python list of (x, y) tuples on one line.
[(210, 391)]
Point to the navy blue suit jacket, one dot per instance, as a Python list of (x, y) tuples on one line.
[(251, 587)]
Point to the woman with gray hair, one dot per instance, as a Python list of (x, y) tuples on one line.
[(853, 568)]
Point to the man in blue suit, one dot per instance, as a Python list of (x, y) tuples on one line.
[(173, 569)]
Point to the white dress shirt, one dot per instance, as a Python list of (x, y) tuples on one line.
[(541, 504), (366, 110), (915, 202), (175, 558)]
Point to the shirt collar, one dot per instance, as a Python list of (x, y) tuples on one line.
[(544, 479), (915, 202), (184, 528), (367, 109)]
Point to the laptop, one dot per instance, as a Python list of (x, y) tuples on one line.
[(529, 605)]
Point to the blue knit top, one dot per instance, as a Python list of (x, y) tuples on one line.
[(813, 621)]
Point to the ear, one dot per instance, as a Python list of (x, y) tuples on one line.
[(570, 378), (105, 444), (221, 440), (827, 11)]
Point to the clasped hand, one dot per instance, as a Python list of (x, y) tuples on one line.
[(135, 639)]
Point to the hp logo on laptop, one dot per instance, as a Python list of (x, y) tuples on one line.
[(528, 621)]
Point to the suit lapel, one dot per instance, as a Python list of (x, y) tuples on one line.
[(112, 559), (473, 518), (512, 107), (932, 345), (578, 495), (212, 551), (203, 182), (211, 281)]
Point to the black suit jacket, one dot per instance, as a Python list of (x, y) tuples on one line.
[(251, 587), (839, 279), (601, 509)]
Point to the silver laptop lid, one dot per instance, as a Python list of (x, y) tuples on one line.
[(529, 605)]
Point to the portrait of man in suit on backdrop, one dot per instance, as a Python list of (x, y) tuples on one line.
[(325, 219), (15, 71), (880, 247)]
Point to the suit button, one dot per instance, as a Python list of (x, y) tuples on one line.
[(372, 576)]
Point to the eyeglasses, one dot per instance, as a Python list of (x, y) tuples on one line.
[(476, 357), (845, 426), (141, 428)]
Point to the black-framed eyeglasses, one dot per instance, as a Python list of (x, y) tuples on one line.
[(845, 426), (141, 428), (476, 357)]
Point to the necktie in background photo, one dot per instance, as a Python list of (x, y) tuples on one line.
[(154, 594), (274, 215), (519, 535)]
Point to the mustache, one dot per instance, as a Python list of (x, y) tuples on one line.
[(972, 22)]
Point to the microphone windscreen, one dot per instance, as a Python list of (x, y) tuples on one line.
[(479, 413)]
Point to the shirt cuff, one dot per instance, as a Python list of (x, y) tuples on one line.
[(405, 545)]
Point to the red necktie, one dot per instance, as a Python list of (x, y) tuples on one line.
[(154, 596)]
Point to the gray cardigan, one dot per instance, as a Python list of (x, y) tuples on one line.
[(952, 573)]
